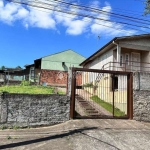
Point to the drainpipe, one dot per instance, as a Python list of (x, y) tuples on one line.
[(118, 53)]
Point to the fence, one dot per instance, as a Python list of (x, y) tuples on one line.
[(103, 94)]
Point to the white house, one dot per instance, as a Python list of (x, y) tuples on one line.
[(125, 54)]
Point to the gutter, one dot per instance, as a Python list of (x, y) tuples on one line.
[(115, 43)]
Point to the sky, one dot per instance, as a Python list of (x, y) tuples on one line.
[(28, 33)]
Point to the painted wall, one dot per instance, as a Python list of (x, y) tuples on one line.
[(54, 62), (98, 63)]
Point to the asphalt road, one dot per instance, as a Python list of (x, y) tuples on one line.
[(87, 134)]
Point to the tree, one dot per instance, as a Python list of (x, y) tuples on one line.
[(147, 7), (3, 67), (18, 67)]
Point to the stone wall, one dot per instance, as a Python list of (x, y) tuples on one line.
[(33, 110), (141, 105), (141, 96)]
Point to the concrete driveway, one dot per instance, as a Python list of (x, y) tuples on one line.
[(87, 134)]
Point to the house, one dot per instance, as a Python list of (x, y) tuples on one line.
[(125, 54), (11, 75), (128, 53), (53, 69), (29, 75)]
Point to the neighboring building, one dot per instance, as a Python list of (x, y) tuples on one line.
[(128, 54), (30, 74), (53, 69), (12, 75)]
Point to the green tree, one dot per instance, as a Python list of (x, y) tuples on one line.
[(18, 67), (147, 7), (2, 67)]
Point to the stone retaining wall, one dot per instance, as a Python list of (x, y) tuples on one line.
[(141, 105), (33, 110), (141, 96)]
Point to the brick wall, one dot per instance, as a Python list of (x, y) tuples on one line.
[(32, 110), (55, 77)]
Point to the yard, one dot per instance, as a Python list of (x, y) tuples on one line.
[(29, 89), (107, 106)]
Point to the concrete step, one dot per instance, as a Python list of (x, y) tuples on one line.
[(92, 111), (89, 109)]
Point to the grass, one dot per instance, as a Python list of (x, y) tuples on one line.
[(29, 89), (107, 106)]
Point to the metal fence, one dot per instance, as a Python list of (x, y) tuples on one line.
[(101, 94)]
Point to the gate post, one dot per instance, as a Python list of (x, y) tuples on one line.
[(130, 95), (72, 102)]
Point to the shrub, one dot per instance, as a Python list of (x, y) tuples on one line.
[(88, 85), (25, 83)]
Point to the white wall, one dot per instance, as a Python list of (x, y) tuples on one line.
[(101, 60), (98, 63)]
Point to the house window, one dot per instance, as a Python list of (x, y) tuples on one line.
[(32, 74), (121, 60), (127, 59), (115, 83)]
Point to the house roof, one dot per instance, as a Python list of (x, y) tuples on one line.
[(110, 43), (58, 53), (31, 65)]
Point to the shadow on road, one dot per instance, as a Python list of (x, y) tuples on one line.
[(12, 145)]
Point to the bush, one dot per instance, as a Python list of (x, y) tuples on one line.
[(88, 85), (25, 83)]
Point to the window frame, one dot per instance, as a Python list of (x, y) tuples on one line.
[(121, 62), (127, 62)]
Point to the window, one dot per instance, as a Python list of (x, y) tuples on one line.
[(32, 74), (127, 59), (121, 60), (115, 83)]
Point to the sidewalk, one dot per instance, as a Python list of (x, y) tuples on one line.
[(85, 134)]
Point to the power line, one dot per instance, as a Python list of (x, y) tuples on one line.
[(97, 10), (74, 13), (85, 20)]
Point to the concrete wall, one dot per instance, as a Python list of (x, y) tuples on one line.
[(141, 96), (33, 110)]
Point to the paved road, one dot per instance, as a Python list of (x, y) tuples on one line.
[(87, 134)]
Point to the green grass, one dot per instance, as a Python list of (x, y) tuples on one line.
[(28, 89), (107, 106)]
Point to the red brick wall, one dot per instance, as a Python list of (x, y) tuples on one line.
[(78, 79), (55, 77)]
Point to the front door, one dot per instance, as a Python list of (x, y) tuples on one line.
[(135, 57)]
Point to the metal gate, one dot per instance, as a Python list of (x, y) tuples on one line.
[(101, 94)]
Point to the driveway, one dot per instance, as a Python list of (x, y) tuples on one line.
[(87, 134)]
